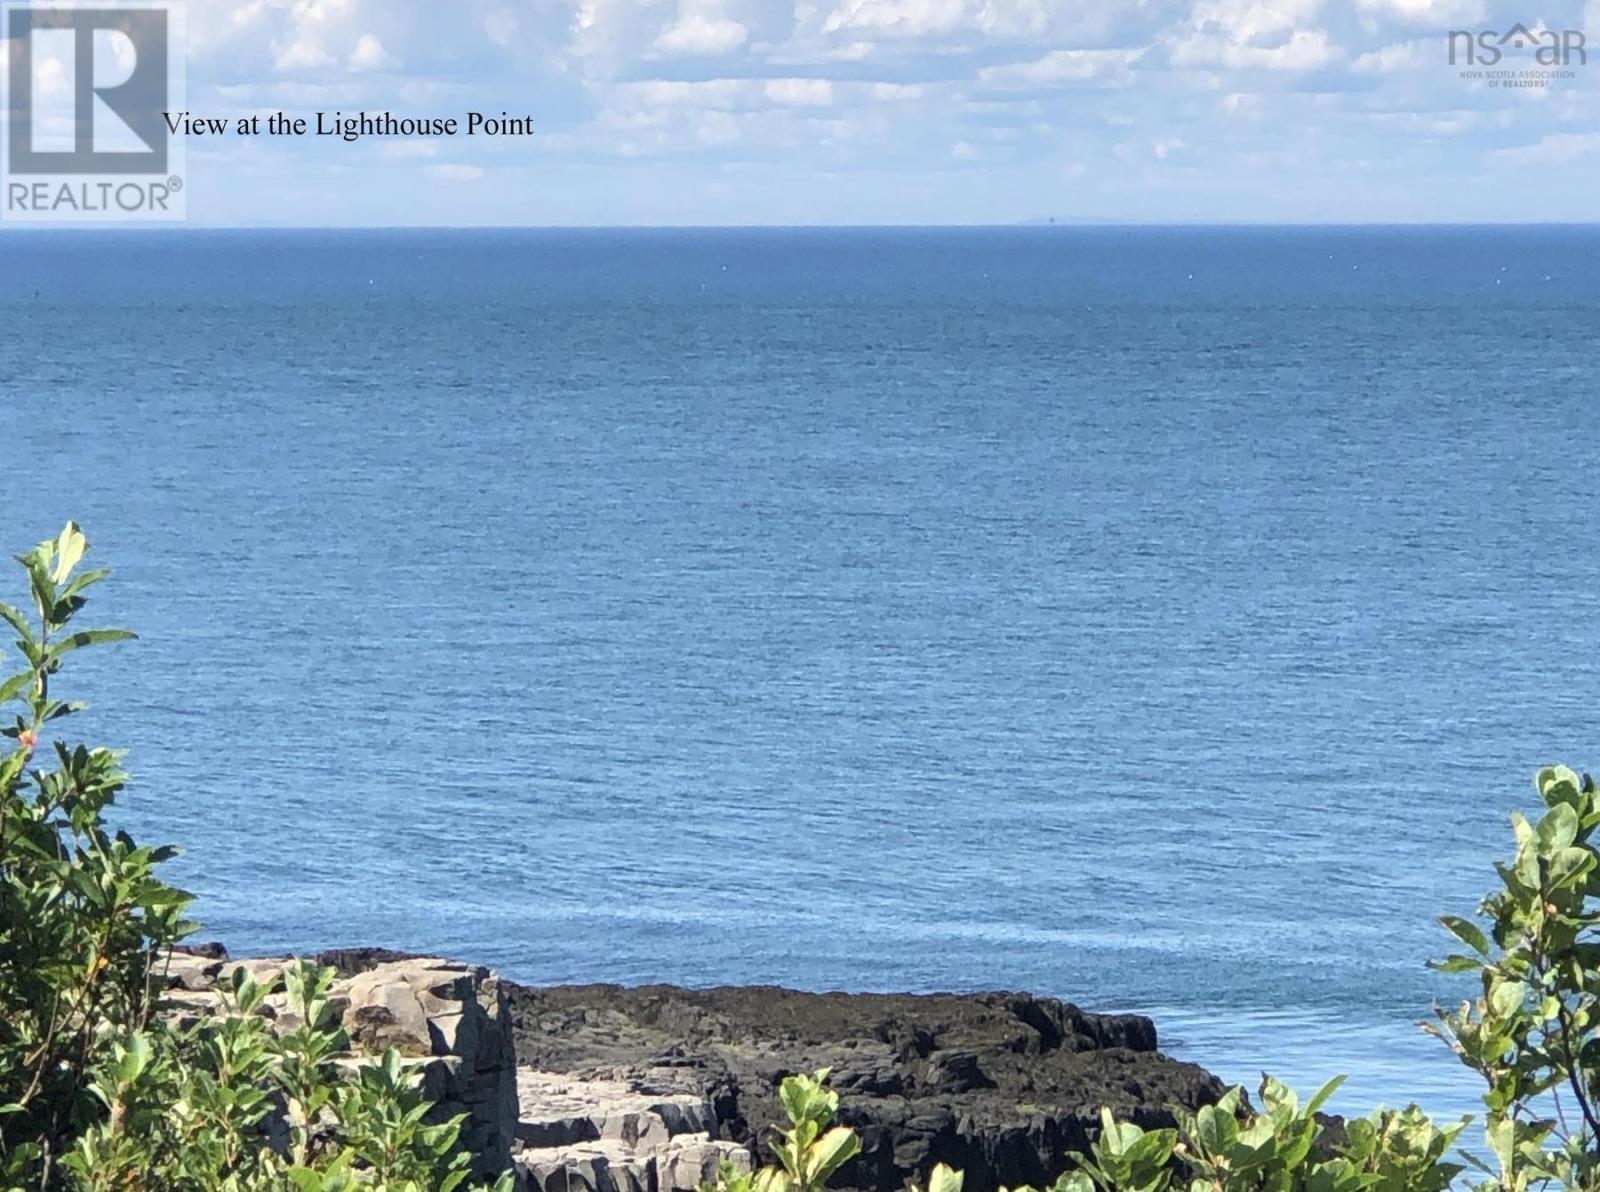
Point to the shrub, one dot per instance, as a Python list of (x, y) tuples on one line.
[(98, 1089), (1532, 1032)]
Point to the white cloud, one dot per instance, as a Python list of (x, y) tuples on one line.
[(1437, 13), (301, 54), (695, 33), (799, 93), (666, 93), (1303, 49), (609, 37), (930, 18), (1553, 149), (369, 54), (1403, 56), (114, 56), (1255, 35), (849, 51), (49, 75), (313, 24), (1105, 67)]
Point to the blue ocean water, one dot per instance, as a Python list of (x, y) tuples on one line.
[(1166, 619)]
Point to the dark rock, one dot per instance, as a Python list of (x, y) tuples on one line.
[(352, 962), (955, 1072), (1004, 1086), (207, 951)]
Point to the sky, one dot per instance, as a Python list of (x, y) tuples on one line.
[(666, 112)]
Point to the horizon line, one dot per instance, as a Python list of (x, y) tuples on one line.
[(1060, 223)]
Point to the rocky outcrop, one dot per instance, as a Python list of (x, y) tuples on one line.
[(603, 1089), (452, 1016), (629, 1135), (1003, 1086)]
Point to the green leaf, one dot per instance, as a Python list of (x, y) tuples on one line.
[(36, 564), (70, 547), (1215, 1130), (1500, 1134), (133, 1059), (944, 1179), (1507, 997), (1556, 782), (833, 1150), (14, 686), (89, 637), (1152, 1150), (12, 616), (1467, 932), (87, 580), (1320, 1097), (1568, 865), (1557, 829)]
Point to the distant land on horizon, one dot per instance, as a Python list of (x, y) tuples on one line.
[(1056, 221)]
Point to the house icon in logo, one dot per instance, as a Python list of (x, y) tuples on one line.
[(1519, 37)]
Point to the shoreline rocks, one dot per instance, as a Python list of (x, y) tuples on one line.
[(599, 1088), (1003, 1086)]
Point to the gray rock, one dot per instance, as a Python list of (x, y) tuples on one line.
[(688, 1163), (595, 1131), (454, 1016)]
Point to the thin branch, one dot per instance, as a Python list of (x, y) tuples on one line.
[(1573, 1072)]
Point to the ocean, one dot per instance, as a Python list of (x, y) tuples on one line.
[(1166, 619)]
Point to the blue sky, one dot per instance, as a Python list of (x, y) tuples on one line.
[(892, 111)]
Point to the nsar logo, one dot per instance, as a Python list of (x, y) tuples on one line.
[(1487, 47)]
